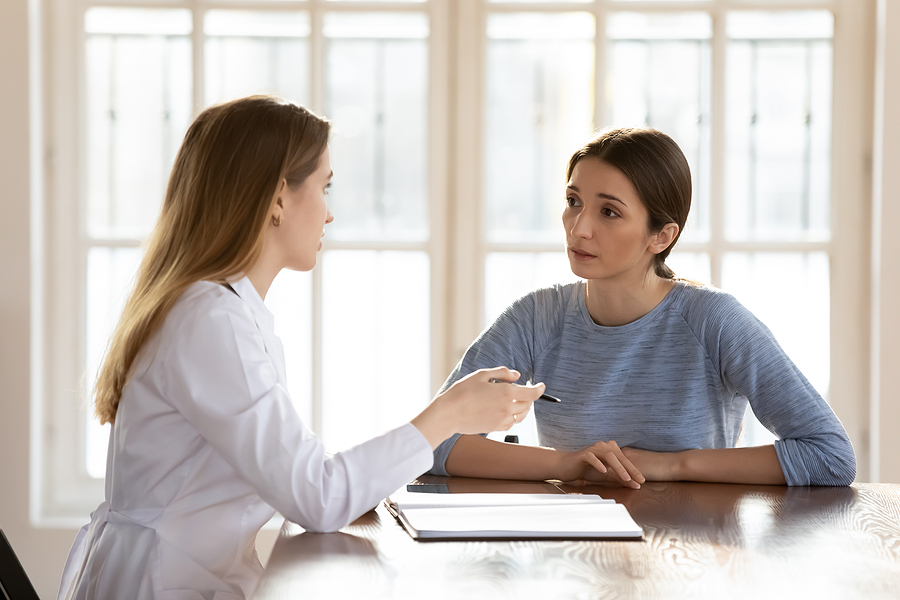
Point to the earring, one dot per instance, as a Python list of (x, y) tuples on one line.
[(276, 221)]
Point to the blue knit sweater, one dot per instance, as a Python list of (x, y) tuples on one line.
[(678, 378)]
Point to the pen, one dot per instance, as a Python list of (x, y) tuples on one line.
[(545, 397)]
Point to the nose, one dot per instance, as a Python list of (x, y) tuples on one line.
[(328, 216), (580, 226)]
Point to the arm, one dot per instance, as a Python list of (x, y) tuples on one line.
[(813, 448), (475, 456), (757, 465), (222, 381)]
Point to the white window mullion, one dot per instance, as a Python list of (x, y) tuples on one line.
[(717, 247), (467, 268), (198, 42), (440, 147), (317, 101), (601, 64)]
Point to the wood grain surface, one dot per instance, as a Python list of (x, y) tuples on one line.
[(700, 541)]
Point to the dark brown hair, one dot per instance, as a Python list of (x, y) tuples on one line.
[(213, 218), (657, 169)]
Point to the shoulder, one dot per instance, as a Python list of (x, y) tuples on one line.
[(208, 310), (540, 310), (705, 304), (546, 302)]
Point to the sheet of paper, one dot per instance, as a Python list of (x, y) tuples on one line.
[(584, 520), (405, 500)]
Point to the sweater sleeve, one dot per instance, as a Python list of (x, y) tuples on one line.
[(812, 446), (508, 342)]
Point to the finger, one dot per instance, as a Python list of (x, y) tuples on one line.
[(501, 374), (613, 462), (595, 462), (633, 470)]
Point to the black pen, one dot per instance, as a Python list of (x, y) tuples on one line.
[(545, 397)]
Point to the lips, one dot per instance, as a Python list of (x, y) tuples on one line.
[(580, 254)]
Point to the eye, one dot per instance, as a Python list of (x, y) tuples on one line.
[(571, 201), (608, 212), (327, 188)]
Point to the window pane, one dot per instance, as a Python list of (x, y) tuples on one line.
[(789, 292), (290, 300), (660, 77), (539, 105), (410, 1), (779, 93), (691, 265), (537, 1), (110, 277), (511, 275), (256, 52), (138, 102), (377, 97), (376, 327)]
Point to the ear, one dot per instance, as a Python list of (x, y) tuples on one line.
[(278, 204), (663, 238)]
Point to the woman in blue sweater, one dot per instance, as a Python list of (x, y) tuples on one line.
[(655, 373)]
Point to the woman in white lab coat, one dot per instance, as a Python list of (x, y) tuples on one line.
[(205, 444)]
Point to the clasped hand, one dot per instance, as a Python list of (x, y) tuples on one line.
[(606, 462)]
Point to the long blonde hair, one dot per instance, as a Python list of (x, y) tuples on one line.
[(212, 221)]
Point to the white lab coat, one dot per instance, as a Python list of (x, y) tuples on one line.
[(205, 447)]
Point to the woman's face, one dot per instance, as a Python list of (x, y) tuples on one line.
[(304, 214), (606, 224)]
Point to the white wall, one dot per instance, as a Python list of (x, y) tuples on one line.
[(885, 382), (42, 551)]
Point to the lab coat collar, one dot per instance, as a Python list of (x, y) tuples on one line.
[(246, 291)]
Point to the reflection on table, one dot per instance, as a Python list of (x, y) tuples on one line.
[(700, 541)]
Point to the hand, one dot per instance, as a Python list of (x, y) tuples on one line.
[(475, 405), (602, 462), (656, 466)]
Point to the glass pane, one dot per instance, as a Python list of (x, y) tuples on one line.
[(256, 52), (789, 292), (659, 76), (539, 106), (691, 265), (538, 1), (377, 97), (290, 300), (376, 326), (138, 103), (779, 94), (110, 277), (511, 275), (410, 1)]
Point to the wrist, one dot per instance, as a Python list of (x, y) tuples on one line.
[(680, 466), (435, 423)]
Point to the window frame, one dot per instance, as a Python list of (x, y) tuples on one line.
[(846, 247), (456, 245)]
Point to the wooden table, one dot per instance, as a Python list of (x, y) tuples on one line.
[(700, 541)]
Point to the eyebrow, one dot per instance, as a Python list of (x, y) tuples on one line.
[(601, 195)]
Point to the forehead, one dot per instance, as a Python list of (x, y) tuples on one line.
[(594, 176)]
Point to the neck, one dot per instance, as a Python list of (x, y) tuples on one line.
[(261, 275), (615, 303)]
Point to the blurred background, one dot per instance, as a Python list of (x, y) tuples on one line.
[(453, 121)]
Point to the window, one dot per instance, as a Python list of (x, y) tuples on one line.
[(453, 122)]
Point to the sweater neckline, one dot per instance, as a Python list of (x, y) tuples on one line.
[(637, 324)]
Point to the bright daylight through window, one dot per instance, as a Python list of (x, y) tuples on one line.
[(746, 93)]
